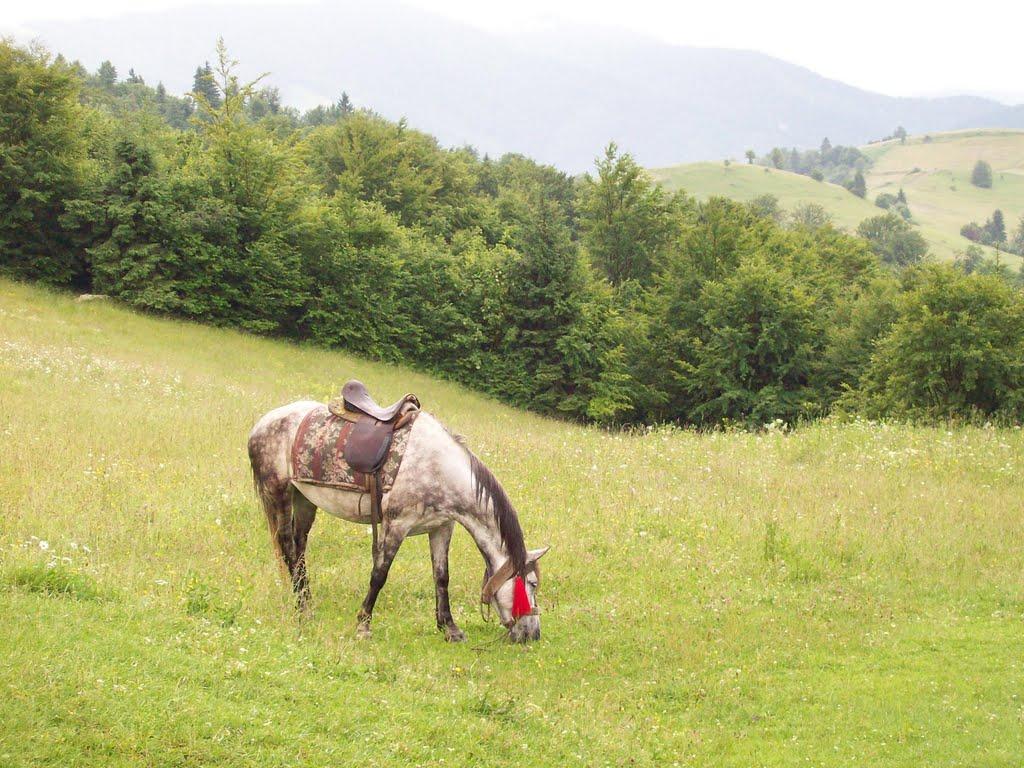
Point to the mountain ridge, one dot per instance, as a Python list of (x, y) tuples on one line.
[(557, 95)]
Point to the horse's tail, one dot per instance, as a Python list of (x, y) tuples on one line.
[(271, 501)]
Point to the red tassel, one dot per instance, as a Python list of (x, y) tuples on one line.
[(520, 599)]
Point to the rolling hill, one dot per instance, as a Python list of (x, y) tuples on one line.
[(934, 171), (771, 599)]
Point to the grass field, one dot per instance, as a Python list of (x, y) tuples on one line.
[(935, 176), (842, 595)]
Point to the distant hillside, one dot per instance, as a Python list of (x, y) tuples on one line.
[(557, 96), (745, 182), (934, 173)]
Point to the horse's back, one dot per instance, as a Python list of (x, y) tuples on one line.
[(272, 436), (274, 420)]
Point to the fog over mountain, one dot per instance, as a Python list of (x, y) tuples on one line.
[(557, 95)]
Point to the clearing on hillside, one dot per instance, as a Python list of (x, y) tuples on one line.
[(840, 595)]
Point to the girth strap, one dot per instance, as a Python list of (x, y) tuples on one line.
[(376, 511)]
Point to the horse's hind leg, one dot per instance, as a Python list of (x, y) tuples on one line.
[(276, 498), (440, 540), (289, 517), (303, 515)]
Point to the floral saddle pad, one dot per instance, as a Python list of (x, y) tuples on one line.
[(317, 455)]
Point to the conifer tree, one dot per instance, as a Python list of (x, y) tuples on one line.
[(858, 186), (203, 85), (344, 105), (107, 75), (995, 227)]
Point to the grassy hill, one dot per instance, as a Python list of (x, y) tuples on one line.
[(842, 595), (745, 182), (935, 174)]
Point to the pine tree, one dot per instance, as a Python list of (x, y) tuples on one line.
[(858, 186), (204, 86), (996, 228), (628, 221), (107, 75), (1017, 243), (901, 197), (345, 107)]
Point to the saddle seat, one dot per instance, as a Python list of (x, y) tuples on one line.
[(357, 398), (366, 447)]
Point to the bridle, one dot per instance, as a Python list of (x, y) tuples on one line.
[(506, 573)]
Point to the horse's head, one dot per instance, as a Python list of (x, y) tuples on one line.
[(514, 598)]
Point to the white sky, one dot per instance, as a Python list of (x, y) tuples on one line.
[(907, 48)]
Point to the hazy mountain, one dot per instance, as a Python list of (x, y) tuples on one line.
[(558, 96)]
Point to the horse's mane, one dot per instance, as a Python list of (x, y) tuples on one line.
[(488, 489)]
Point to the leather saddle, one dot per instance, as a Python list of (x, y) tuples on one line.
[(357, 398), (366, 448), (373, 426)]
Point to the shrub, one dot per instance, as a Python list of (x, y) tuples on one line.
[(885, 200), (972, 232), (955, 350), (981, 176), (757, 336), (893, 240)]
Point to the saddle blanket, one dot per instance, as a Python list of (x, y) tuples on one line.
[(317, 453)]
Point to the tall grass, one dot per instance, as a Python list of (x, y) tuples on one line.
[(843, 594)]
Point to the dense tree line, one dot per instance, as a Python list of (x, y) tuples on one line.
[(601, 298), (837, 164)]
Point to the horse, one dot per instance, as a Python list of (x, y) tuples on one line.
[(440, 483)]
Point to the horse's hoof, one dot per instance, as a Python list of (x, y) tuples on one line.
[(454, 635), (363, 631)]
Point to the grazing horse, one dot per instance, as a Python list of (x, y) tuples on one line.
[(439, 483)]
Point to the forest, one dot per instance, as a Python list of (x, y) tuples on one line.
[(600, 298)]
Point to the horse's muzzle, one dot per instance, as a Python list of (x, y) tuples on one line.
[(525, 630)]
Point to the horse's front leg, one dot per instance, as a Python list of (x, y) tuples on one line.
[(395, 532), (440, 539)]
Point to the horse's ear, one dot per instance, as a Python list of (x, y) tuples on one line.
[(534, 555)]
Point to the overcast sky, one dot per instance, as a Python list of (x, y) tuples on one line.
[(908, 48)]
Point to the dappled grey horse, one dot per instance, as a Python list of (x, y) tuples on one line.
[(439, 483)]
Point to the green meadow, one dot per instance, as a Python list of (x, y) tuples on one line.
[(844, 594), (934, 172)]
